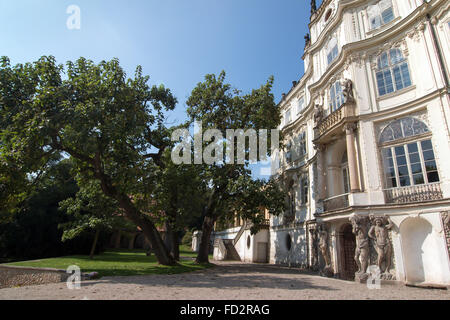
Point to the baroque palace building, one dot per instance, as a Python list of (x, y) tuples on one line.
[(366, 158)]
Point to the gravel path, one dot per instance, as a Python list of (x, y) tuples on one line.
[(227, 281)]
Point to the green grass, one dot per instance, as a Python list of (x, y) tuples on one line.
[(119, 263)]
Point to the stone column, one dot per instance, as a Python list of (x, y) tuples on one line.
[(351, 154)]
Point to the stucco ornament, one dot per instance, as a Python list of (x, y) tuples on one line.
[(347, 90), (360, 230), (379, 231), (323, 246), (318, 114)]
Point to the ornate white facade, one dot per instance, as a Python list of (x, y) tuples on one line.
[(367, 145)]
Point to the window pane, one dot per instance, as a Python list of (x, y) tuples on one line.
[(414, 158), (388, 79), (396, 56), (405, 75), (418, 179), (426, 145), (403, 170), (399, 151), (404, 181), (398, 78), (412, 147), (433, 177), (419, 127), (381, 84), (430, 166), (383, 61), (388, 15), (428, 155), (416, 168)]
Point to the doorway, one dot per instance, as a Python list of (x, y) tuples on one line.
[(348, 247)]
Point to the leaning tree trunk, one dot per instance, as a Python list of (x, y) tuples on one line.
[(94, 244), (203, 251), (175, 237), (149, 229)]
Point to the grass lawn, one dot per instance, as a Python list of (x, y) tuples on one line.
[(119, 263)]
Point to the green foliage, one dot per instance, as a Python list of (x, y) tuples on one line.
[(91, 210), (187, 239), (231, 190), (31, 232)]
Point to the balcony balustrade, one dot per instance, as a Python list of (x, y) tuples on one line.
[(336, 203), (419, 193)]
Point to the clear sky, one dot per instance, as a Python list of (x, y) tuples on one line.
[(177, 42)]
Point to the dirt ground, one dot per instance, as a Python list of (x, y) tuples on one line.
[(226, 281)]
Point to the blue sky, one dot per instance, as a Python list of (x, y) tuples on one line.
[(177, 42)]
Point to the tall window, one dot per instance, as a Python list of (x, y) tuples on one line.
[(336, 96), (300, 104), (332, 50), (287, 117), (380, 13), (409, 157), (392, 72), (302, 143), (304, 189)]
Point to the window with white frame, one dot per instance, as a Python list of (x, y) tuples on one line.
[(392, 72), (302, 143), (380, 13), (300, 104), (345, 173), (408, 155), (332, 50), (287, 117), (336, 96)]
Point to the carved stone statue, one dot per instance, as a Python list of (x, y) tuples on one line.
[(313, 6), (307, 39), (347, 90), (323, 245), (380, 233), (360, 228), (318, 114), (314, 251)]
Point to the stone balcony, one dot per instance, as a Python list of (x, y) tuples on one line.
[(336, 203), (333, 124), (419, 193)]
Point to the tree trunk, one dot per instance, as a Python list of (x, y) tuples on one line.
[(149, 229), (175, 245), (94, 244), (203, 251)]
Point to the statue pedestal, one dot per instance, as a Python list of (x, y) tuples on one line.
[(361, 277), (327, 272)]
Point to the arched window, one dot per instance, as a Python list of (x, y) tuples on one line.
[(332, 50), (408, 155), (380, 13), (336, 96), (403, 128), (392, 72)]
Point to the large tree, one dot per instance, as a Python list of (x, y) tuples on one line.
[(178, 199), (111, 125), (217, 105)]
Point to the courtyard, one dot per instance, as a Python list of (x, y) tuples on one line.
[(225, 281)]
